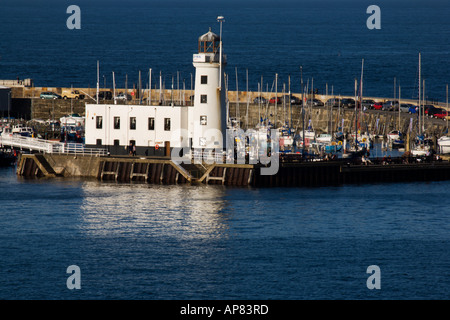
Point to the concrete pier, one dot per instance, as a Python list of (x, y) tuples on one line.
[(290, 173)]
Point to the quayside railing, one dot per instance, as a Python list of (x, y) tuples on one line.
[(47, 146)]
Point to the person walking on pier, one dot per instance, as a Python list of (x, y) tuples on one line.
[(130, 149)]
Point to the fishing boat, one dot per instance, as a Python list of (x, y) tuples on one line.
[(394, 135), (7, 158), (6, 131), (354, 152), (422, 146), (309, 133), (286, 135), (444, 144), (74, 120), (24, 131), (395, 139), (324, 138)]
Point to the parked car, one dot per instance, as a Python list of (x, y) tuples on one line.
[(275, 99), (105, 95), (427, 107), (348, 103), (72, 94), (292, 99), (314, 102), (50, 95), (438, 113), (123, 96), (333, 102), (404, 107), (413, 109), (390, 105), (378, 106), (296, 100), (442, 115), (258, 100), (368, 103)]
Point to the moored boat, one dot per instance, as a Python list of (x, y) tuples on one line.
[(444, 144), (7, 158)]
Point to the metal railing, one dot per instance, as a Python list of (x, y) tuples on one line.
[(46, 146), (200, 156)]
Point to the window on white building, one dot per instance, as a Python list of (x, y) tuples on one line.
[(166, 124), (116, 122), (151, 123), (132, 123), (99, 122)]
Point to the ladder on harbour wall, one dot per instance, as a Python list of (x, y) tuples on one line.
[(35, 165), (151, 171)]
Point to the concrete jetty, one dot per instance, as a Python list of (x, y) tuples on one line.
[(291, 173)]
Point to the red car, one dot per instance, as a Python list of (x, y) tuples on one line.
[(378, 106), (440, 114), (277, 99)]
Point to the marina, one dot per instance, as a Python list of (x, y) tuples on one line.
[(164, 154), (202, 139)]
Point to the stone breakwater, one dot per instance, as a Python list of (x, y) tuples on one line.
[(26, 104)]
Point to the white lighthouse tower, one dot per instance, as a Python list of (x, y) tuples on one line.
[(208, 120)]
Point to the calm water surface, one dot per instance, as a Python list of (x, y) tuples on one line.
[(327, 38), (203, 242), (208, 242)]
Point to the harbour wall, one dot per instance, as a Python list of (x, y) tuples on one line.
[(291, 173), (183, 97), (323, 119)]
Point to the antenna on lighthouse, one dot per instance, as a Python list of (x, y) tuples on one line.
[(220, 19)]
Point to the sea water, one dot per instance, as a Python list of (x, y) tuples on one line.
[(321, 43), (139, 241)]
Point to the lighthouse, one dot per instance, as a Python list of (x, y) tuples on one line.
[(155, 130), (208, 121)]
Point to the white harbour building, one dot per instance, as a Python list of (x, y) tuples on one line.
[(156, 129)]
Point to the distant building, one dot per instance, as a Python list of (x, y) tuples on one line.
[(5, 101), (156, 129)]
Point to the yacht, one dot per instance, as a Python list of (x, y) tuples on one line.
[(444, 144)]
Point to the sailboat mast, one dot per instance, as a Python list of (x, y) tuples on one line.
[(114, 88), (149, 102), (446, 104), (259, 103), (290, 106), (237, 98), (423, 102), (98, 79), (276, 99), (399, 98), (361, 88), (356, 112), (420, 106), (303, 114), (248, 101)]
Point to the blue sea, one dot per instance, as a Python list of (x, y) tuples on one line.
[(139, 241), (182, 242), (321, 41)]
